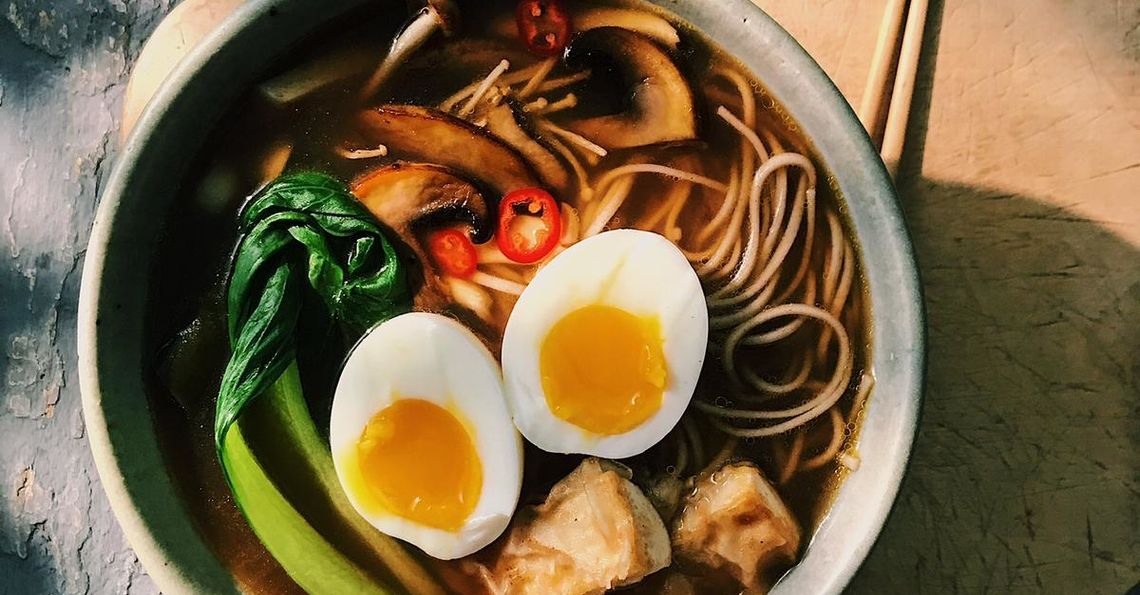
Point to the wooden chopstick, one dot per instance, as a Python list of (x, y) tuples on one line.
[(871, 106), (875, 99), (903, 92)]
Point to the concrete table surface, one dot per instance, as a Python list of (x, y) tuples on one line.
[(1021, 185)]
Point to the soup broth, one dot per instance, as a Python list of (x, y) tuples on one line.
[(789, 326)]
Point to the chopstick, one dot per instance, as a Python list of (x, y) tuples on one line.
[(898, 110), (885, 46)]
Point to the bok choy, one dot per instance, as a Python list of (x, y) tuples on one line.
[(304, 235)]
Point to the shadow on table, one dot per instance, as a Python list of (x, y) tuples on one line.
[(1026, 473), (1026, 469)]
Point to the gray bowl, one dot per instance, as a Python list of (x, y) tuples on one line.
[(175, 125)]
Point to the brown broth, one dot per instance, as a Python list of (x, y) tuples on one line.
[(185, 319)]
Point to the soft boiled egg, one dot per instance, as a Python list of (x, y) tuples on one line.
[(603, 349), (421, 436)]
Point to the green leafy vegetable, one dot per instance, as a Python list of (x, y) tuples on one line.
[(311, 560), (303, 234), (301, 226)]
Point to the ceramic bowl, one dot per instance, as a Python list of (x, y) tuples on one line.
[(177, 121)]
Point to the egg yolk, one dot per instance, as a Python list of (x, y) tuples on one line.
[(603, 369), (417, 460)]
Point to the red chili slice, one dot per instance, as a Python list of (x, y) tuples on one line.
[(529, 225), (453, 251), (544, 26)]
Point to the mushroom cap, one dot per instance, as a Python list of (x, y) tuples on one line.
[(411, 198), (660, 107), (430, 135)]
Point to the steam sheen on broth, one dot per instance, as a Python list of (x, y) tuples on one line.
[(483, 161)]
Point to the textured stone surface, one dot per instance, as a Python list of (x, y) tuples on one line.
[(63, 67), (1022, 188)]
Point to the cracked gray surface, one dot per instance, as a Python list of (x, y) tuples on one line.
[(63, 69)]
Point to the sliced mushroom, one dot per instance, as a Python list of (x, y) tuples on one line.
[(409, 197), (426, 134), (646, 23), (660, 104), (508, 122), (413, 197)]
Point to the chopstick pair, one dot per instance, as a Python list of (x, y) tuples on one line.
[(875, 95)]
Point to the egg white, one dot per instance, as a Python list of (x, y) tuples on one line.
[(434, 358), (637, 271)]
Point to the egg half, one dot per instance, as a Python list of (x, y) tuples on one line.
[(421, 436), (603, 349)]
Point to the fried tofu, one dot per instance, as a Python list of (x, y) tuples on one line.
[(595, 531), (733, 522)]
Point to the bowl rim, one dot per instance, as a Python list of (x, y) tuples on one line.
[(134, 478)]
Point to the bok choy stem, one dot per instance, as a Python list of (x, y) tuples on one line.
[(304, 234)]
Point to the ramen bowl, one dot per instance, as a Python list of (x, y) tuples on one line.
[(148, 503)]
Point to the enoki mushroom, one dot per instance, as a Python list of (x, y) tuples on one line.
[(372, 153)]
